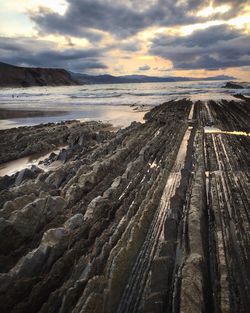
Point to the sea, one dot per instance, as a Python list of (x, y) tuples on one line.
[(119, 104)]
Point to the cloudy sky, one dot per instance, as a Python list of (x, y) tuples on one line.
[(154, 37)]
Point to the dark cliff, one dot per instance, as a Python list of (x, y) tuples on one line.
[(27, 76)]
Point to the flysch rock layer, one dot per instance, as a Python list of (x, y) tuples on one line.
[(151, 218)]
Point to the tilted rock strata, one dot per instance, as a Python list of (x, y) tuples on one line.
[(153, 218), (25, 141)]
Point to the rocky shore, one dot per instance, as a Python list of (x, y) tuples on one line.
[(237, 85), (151, 218)]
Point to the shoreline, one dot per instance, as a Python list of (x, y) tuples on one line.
[(119, 116)]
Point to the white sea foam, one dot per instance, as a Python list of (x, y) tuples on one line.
[(106, 100)]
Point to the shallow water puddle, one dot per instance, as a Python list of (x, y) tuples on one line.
[(11, 167), (191, 113)]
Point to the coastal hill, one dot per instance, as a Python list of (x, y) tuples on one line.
[(16, 76), (110, 79)]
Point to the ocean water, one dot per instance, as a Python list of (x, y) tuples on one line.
[(119, 104)]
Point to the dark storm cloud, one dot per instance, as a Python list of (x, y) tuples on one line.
[(201, 38), (120, 18), (84, 18), (48, 22), (232, 3), (32, 52), (213, 48)]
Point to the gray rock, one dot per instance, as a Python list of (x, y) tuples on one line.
[(3, 225), (74, 222), (16, 204), (232, 85), (53, 236), (23, 175), (32, 264), (56, 178), (37, 214)]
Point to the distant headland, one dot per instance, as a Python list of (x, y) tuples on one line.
[(17, 76)]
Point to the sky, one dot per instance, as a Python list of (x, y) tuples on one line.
[(197, 38)]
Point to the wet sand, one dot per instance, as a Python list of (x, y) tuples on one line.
[(6, 114), (119, 116)]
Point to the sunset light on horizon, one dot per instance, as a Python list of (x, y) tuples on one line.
[(161, 38)]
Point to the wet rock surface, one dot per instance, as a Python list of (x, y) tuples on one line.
[(233, 85), (28, 140), (152, 218)]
